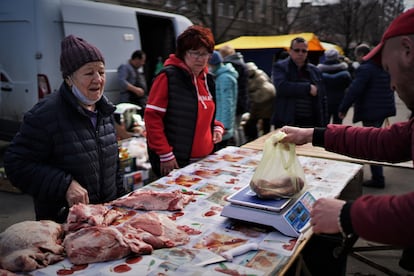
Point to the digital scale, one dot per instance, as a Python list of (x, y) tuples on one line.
[(287, 215)]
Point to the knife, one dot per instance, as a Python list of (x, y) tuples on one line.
[(230, 254)]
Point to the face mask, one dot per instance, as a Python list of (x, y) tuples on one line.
[(82, 97)]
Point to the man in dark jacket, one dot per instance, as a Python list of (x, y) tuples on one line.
[(66, 151), (132, 80), (337, 78), (301, 97), (370, 93)]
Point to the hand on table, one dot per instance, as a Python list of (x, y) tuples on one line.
[(167, 167)]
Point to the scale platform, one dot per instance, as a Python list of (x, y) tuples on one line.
[(286, 215)]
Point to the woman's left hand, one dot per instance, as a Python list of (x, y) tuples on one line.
[(217, 137)]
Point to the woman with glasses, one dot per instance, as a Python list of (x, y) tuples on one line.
[(301, 97), (180, 112)]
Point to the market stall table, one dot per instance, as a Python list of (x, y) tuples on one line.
[(212, 180)]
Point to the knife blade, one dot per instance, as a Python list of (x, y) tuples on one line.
[(230, 254)]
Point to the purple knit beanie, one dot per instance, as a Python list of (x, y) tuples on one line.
[(76, 52)]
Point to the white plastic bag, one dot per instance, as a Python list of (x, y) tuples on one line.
[(279, 173)]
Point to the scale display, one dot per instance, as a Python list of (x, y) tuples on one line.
[(290, 216)]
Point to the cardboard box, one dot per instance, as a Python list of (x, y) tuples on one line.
[(135, 180)]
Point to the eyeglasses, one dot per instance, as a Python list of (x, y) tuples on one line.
[(195, 54), (304, 51)]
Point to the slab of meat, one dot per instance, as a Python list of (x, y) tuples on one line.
[(159, 230), (141, 234), (30, 245), (153, 200), (99, 244), (85, 215), (4, 272)]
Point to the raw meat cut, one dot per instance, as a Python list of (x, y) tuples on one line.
[(85, 215), (165, 233), (99, 244), (141, 234), (6, 273), (30, 245), (153, 200)]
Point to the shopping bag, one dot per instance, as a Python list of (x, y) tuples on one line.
[(279, 173)]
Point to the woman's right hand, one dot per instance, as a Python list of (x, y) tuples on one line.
[(76, 194), (167, 167)]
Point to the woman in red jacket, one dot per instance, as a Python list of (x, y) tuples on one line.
[(180, 112)]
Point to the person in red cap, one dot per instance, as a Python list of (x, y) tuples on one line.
[(66, 151), (386, 219)]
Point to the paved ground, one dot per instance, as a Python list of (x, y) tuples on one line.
[(18, 207)]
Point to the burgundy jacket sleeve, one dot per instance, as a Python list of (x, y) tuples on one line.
[(385, 219), (393, 144)]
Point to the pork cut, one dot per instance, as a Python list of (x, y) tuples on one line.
[(159, 230), (153, 200), (85, 215), (4, 272), (101, 243), (30, 245), (141, 234)]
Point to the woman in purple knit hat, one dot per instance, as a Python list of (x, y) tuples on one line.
[(66, 151)]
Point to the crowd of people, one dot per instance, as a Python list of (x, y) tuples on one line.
[(66, 151)]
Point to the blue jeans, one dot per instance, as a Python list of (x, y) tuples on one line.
[(376, 171)]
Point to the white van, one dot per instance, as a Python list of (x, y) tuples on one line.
[(31, 32)]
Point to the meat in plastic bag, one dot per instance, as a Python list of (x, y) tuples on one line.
[(279, 173)]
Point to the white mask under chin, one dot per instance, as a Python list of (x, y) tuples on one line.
[(82, 97)]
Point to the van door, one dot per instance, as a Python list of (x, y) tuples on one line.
[(18, 62), (159, 31), (112, 29)]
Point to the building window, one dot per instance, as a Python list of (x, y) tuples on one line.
[(220, 9)]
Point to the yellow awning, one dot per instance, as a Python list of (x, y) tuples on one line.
[(328, 46), (274, 41)]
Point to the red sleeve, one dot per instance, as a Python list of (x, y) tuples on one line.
[(385, 219), (392, 144), (154, 114)]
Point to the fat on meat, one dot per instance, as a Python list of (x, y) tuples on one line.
[(4, 272), (101, 243), (30, 245), (159, 230), (153, 200), (85, 215)]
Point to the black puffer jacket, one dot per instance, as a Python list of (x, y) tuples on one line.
[(57, 143), (181, 115)]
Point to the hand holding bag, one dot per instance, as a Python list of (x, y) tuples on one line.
[(279, 173)]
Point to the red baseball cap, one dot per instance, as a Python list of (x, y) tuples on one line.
[(402, 25)]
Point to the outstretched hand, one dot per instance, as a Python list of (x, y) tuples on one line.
[(296, 135)]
